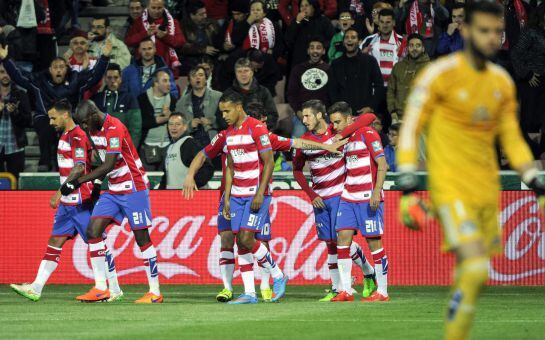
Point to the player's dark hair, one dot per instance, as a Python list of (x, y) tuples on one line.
[(105, 18), (231, 96), (415, 36), (352, 29), (255, 110), (340, 107), (386, 12), (483, 6), (84, 109), (114, 67), (63, 105), (316, 106)]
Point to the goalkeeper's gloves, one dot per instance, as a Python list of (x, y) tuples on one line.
[(95, 194), (69, 186), (413, 209)]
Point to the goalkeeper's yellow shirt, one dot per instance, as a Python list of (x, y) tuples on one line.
[(463, 111)]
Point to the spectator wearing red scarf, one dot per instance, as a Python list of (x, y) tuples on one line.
[(157, 23), (425, 17)]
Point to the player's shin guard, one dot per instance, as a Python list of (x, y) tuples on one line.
[(471, 275), (263, 256), (345, 268), (97, 251), (150, 263), (227, 267), (246, 263), (48, 265), (265, 275), (359, 259), (333, 266), (111, 274), (381, 270)]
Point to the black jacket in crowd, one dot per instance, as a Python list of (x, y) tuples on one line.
[(298, 35), (357, 81), (21, 116), (259, 93)]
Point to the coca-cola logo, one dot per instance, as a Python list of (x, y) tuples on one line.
[(524, 251), (180, 242)]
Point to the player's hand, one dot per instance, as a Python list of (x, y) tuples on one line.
[(68, 187), (334, 148), (107, 48), (3, 52), (376, 198), (257, 202), (55, 199), (226, 209), (414, 211), (189, 186), (318, 203)]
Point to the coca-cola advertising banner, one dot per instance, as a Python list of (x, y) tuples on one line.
[(185, 235)]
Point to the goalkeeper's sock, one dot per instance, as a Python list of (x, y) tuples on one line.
[(48, 265), (246, 264), (150, 264), (265, 277), (97, 252), (111, 274), (471, 276), (381, 270), (359, 259), (345, 268), (227, 267), (333, 266)]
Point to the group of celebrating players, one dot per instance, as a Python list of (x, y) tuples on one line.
[(347, 165)]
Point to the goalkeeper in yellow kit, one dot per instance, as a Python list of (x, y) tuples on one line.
[(465, 103)]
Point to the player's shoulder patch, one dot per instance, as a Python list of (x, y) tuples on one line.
[(264, 139), (79, 153), (376, 146), (114, 142), (215, 139)]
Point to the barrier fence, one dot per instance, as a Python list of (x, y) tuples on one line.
[(185, 235)]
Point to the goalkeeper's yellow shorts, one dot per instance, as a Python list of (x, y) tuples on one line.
[(464, 223)]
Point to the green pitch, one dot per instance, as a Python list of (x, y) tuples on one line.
[(192, 312)]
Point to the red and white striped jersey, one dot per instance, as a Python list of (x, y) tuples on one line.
[(74, 147), (327, 170), (386, 52), (360, 153), (218, 145), (244, 144), (128, 174)]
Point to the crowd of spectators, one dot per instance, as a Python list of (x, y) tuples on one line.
[(174, 59)]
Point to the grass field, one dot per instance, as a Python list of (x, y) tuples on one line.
[(191, 312)]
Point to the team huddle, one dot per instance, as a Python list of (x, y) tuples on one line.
[(347, 173)]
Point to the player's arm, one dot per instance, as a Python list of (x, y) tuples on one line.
[(268, 166), (298, 165), (229, 173), (306, 144), (101, 171), (363, 120), (374, 145), (517, 151), (77, 170), (189, 182)]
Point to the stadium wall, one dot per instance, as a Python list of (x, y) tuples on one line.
[(185, 235)]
